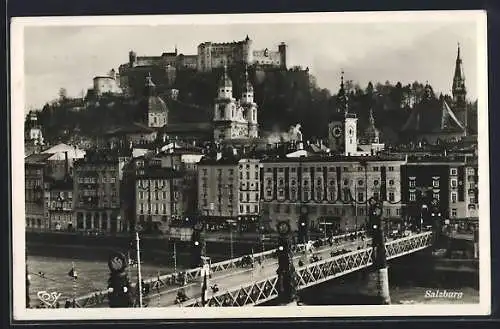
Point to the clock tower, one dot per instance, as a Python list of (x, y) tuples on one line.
[(342, 129)]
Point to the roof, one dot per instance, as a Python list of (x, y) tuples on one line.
[(432, 116), (156, 105), (59, 149), (336, 158), (38, 158), (132, 128)]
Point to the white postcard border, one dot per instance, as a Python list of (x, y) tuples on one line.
[(17, 146)]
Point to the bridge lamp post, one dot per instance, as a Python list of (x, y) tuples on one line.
[(379, 256), (287, 283), (423, 209)]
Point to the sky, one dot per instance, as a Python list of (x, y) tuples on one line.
[(70, 56)]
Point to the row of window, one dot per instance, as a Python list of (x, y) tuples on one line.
[(87, 193), (319, 182), (160, 208), (330, 169), (152, 183), (154, 195), (96, 180), (325, 210), (245, 197), (248, 209), (331, 196)]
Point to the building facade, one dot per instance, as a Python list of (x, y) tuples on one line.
[(452, 180), (60, 205), (158, 195), (36, 191), (229, 190), (97, 190), (235, 119), (212, 55), (335, 190)]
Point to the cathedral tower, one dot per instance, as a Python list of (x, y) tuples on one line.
[(458, 90), (249, 107), (224, 108)]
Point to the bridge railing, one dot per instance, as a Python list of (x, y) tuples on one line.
[(168, 280), (258, 292)]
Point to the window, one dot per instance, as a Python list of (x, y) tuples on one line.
[(248, 209), (388, 212), (453, 212), (391, 182), (360, 168), (391, 196), (412, 183), (241, 209), (435, 196), (398, 211), (472, 200), (453, 171), (470, 171), (375, 182), (375, 168), (231, 172), (248, 175), (453, 197), (360, 182), (306, 195), (435, 183), (375, 195), (361, 197), (346, 182), (391, 168), (412, 196), (268, 193), (454, 183), (331, 169), (345, 169)]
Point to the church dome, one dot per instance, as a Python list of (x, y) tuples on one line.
[(156, 105)]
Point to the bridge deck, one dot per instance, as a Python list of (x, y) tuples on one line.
[(221, 273), (261, 290)]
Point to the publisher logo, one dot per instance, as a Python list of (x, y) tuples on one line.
[(48, 298)]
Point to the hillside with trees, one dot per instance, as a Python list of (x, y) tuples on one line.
[(285, 98)]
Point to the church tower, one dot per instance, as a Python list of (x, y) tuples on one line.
[(224, 109), (152, 106), (336, 126), (249, 107), (458, 90)]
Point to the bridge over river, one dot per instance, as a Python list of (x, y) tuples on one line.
[(257, 285)]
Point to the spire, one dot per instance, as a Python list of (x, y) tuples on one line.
[(247, 38), (225, 81), (247, 87), (372, 119), (342, 96), (149, 85), (458, 78), (175, 50)]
